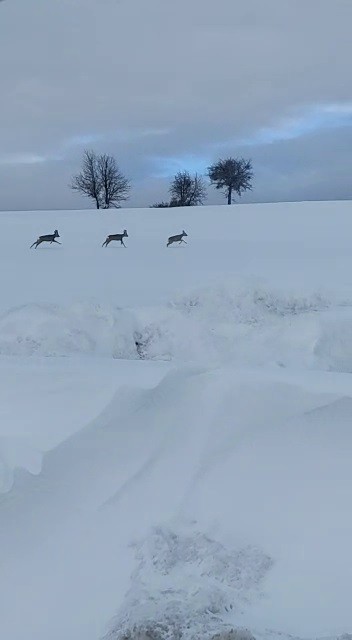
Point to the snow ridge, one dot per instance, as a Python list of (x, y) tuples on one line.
[(242, 321)]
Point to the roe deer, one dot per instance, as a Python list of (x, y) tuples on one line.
[(116, 236), (48, 238), (178, 238)]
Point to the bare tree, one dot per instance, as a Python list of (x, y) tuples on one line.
[(232, 175), (187, 190), (87, 181), (101, 180), (114, 186)]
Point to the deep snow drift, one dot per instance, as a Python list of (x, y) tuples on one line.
[(175, 440)]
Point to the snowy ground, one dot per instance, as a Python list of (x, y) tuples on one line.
[(198, 481)]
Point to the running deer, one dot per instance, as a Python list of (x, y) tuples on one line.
[(116, 236), (48, 238), (178, 238)]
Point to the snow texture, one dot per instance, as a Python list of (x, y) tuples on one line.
[(215, 324), (195, 583)]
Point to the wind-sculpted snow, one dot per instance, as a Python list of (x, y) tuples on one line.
[(241, 322), (187, 585), (15, 453), (245, 456)]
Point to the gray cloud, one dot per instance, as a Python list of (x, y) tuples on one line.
[(161, 84)]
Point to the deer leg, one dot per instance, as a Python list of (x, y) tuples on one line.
[(57, 242), (122, 242), (183, 241), (32, 245)]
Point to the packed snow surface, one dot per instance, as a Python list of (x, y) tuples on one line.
[(176, 424)]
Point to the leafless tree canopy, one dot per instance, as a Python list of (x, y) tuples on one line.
[(101, 180), (114, 186), (232, 175), (87, 181), (187, 190)]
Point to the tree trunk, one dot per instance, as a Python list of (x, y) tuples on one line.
[(97, 203), (229, 196)]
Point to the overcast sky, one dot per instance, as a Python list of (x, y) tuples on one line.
[(166, 85)]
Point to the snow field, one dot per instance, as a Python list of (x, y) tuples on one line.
[(196, 484)]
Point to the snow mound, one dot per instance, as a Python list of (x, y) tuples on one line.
[(240, 321), (51, 330), (186, 585)]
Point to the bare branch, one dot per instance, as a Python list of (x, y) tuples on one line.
[(101, 180), (187, 190), (114, 186), (87, 181)]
